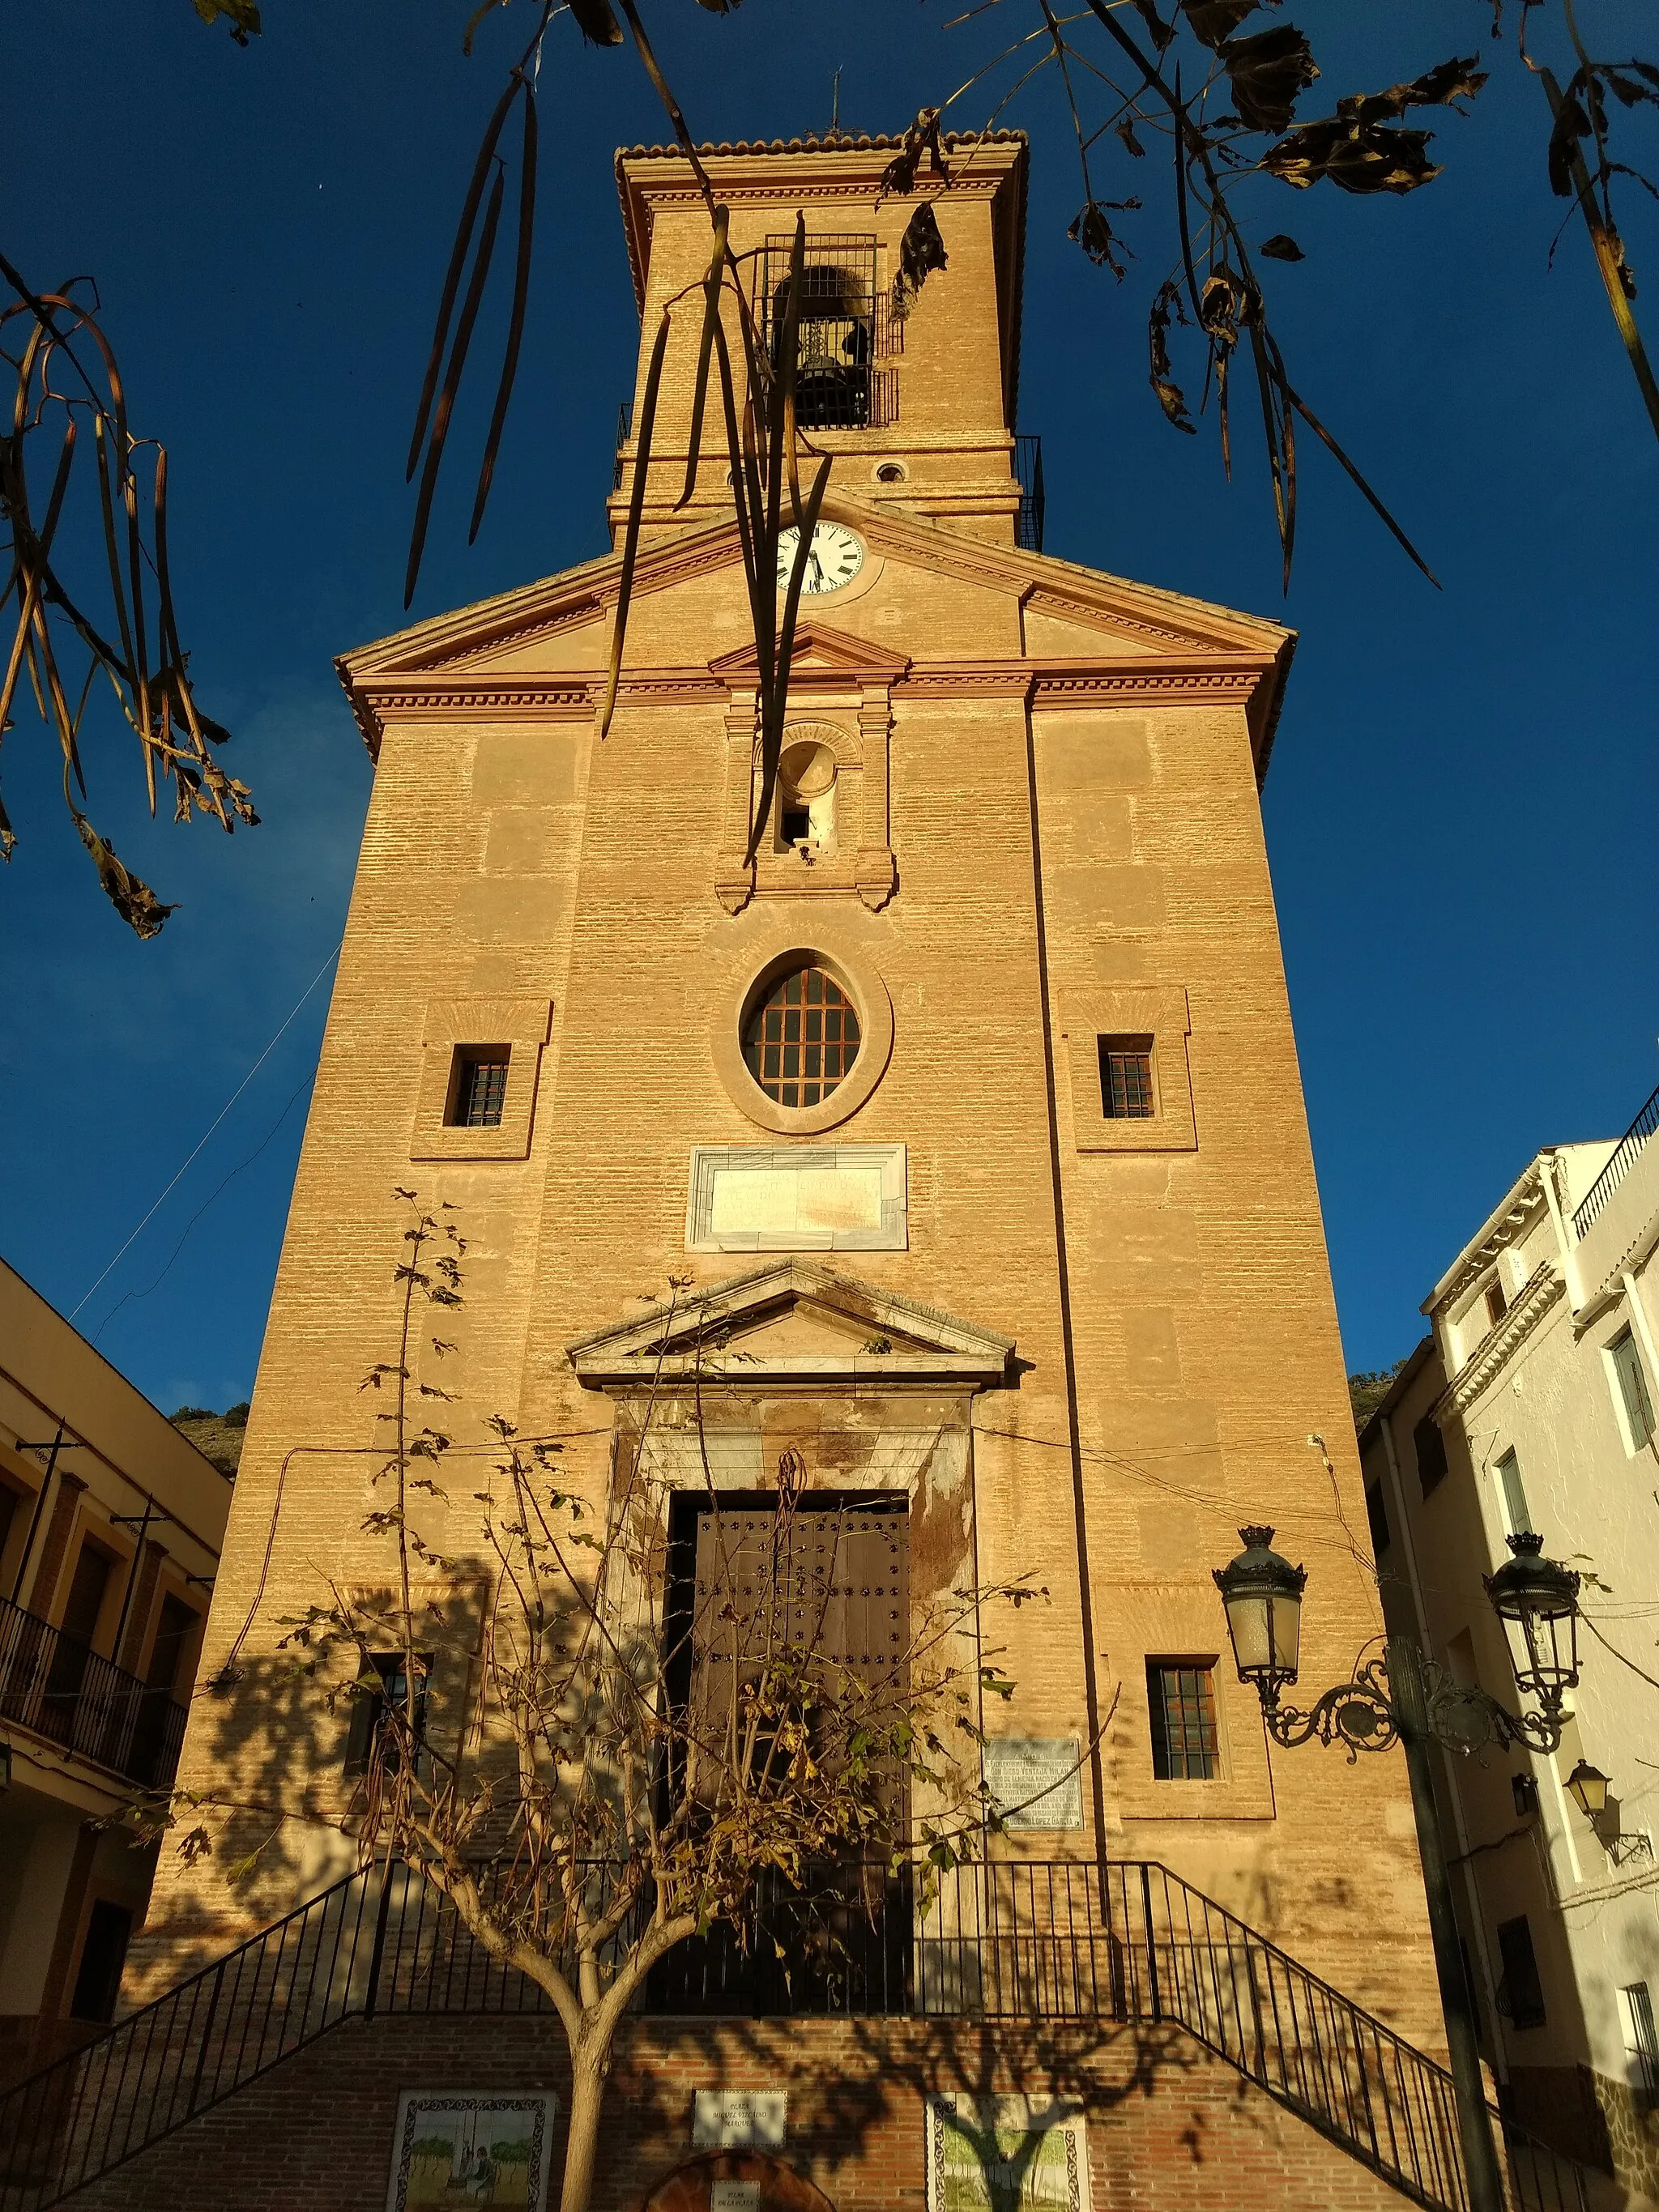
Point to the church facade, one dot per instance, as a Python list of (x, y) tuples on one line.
[(967, 1117)]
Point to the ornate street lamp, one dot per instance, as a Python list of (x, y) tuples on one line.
[(1589, 1787), (1397, 1696), (1537, 1601)]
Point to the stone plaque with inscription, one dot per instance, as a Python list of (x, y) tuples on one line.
[(739, 2119), (829, 1198), (735, 2196), (1035, 1781)]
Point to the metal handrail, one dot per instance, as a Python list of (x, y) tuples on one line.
[(60, 1688), (1623, 1159), (1029, 1941)]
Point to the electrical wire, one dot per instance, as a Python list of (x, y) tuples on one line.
[(217, 1118)]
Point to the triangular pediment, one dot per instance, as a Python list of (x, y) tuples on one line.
[(542, 650), (792, 1322), (818, 651)]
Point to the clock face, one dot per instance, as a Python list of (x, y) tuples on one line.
[(834, 558)]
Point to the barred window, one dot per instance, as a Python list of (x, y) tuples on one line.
[(1641, 2040), (1126, 1078), (477, 1087), (1181, 1701), (801, 1038)]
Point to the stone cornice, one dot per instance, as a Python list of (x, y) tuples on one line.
[(1198, 651), (1527, 1308), (511, 695)]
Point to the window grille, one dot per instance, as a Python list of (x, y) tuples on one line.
[(1126, 1078), (383, 1682), (802, 1038), (1430, 1449), (1182, 1703), (1633, 1387), (1641, 2039), (1517, 1514), (844, 331), (479, 1088)]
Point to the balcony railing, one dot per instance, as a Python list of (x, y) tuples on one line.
[(62, 1690), (1028, 472), (1623, 1160)]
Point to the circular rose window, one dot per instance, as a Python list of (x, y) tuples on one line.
[(800, 1036)]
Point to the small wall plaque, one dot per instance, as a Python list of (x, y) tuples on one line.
[(739, 2119), (829, 1198), (735, 2196), (1040, 1776)]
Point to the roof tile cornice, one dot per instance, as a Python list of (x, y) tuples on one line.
[(1527, 1308)]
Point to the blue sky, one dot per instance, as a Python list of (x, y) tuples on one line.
[(1464, 786)]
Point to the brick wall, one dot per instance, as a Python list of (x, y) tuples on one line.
[(1170, 2128)]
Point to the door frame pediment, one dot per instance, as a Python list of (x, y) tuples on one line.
[(719, 1333)]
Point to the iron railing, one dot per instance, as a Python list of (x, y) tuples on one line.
[(1049, 1940), (1623, 1158), (1028, 473), (61, 1689)]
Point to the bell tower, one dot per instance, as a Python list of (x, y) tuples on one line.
[(915, 391)]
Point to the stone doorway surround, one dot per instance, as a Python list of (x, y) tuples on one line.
[(691, 2187)]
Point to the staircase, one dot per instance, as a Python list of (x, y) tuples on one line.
[(1064, 1940)]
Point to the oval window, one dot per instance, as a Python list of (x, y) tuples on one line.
[(801, 1037)]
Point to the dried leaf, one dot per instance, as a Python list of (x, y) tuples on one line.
[(1125, 132), (922, 137), (1279, 247), (1090, 229), (132, 899), (922, 250), (1357, 157), (1170, 397), (520, 302), (1268, 73), (596, 23), (242, 17), (1214, 21), (446, 406)]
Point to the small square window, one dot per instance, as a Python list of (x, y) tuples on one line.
[(1126, 1078), (1497, 1304), (1430, 1446), (478, 1086), (1182, 1703), (1632, 1389), (1377, 1513)]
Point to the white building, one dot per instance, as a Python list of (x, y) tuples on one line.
[(1533, 1406)]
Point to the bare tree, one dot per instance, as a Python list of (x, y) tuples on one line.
[(643, 1753)]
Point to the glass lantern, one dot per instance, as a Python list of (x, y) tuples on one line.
[(1537, 1601), (1262, 1595)]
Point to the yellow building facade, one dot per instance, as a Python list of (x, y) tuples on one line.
[(1034, 1253)]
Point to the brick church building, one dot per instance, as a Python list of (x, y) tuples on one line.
[(969, 1114)]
